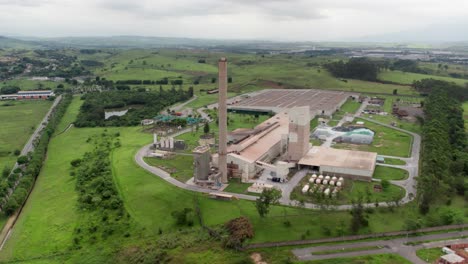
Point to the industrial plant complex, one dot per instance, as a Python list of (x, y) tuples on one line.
[(282, 142)]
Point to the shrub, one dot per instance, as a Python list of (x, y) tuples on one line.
[(239, 230)]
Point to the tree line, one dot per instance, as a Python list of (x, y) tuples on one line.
[(355, 68), (426, 86), (445, 152)]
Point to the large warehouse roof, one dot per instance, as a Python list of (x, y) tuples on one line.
[(278, 100), (350, 159), (269, 133)]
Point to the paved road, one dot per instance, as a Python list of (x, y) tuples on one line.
[(393, 246)]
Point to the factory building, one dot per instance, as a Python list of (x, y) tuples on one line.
[(356, 165), (252, 153), (320, 102)]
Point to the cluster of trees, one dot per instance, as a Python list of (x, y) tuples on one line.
[(20, 182), (9, 89), (140, 104), (98, 197), (407, 66), (425, 87), (355, 68), (445, 152), (94, 184)]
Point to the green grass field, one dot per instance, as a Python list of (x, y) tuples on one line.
[(26, 84), (180, 166), (18, 123), (430, 255), (409, 77), (44, 231), (388, 173), (391, 161), (387, 141)]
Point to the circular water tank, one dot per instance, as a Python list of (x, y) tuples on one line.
[(320, 176), (318, 181), (338, 184), (325, 182), (332, 183), (311, 180), (334, 178), (327, 191), (327, 178), (341, 179), (314, 175)]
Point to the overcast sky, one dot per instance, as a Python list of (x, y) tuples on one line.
[(310, 20)]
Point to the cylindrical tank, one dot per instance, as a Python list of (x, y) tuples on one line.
[(332, 183), (327, 191), (318, 181), (305, 188), (341, 179), (339, 184), (314, 176), (325, 182), (311, 180), (320, 176), (334, 178), (327, 178)]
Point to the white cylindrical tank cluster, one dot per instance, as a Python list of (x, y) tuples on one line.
[(305, 188)]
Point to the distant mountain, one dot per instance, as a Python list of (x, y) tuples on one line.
[(13, 43)]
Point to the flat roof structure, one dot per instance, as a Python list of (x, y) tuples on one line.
[(253, 147), (278, 100), (340, 161)]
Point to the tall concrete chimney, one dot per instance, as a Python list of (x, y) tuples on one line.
[(222, 119)]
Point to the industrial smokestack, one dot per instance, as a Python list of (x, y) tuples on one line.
[(222, 118)]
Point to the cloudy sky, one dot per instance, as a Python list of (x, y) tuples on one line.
[(310, 20)]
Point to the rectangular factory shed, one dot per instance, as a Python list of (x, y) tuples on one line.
[(320, 102), (357, 165)]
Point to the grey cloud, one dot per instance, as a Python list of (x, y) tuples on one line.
[(274, 9)]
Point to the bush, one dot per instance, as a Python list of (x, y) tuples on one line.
[(76, 162), (22, 160), (17, 152), (11, 206), (239, 230)]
